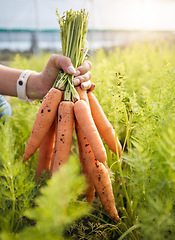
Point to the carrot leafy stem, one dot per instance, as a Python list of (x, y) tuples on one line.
[(73, 30)]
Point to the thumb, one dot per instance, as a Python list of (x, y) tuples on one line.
[(65, 63)]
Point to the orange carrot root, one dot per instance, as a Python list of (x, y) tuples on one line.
[(100, 177), (46, 150), (84, 119), (52, 133), (85, 154), (90, 191), (43, 121), (104, 127), (83, 94), (64, 134), (54, 149)]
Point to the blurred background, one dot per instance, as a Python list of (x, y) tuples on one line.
[(31, 25)]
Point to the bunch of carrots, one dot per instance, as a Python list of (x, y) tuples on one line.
[(66, 108)]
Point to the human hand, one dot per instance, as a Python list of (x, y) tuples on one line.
[(40, 83)]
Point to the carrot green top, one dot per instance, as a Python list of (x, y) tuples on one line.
[(73, 30)]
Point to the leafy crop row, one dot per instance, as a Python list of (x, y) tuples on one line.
[(135, 86)]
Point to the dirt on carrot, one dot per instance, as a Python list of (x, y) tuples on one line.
[(85, 154), (85, 120), (43, 121), (64, 134), (46, 150)]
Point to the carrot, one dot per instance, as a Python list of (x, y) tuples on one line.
[(85, 153), (46, 150), (100, 177), (64, 134), (83, 94), (43, 121), (85, 120), (90, 191), (104, 127), (54, 149)]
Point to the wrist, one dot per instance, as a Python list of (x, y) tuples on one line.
[(34, 88), (22, 85)]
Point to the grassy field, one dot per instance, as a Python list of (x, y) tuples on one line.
[(136, 89)]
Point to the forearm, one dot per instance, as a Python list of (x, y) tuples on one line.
[(38, 84), (8, 82), (8, 79)]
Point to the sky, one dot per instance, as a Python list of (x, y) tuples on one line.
[(104, 14)]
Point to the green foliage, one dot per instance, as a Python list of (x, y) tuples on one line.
[(57, 206), (136, 89), (34, 62), (73, 30), (18, 187), (23, 116), (16, 191)]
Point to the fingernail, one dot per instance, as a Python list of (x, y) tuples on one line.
[(84, 85), (76, 81), (77, 73), (71, 69), (93, 85)]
